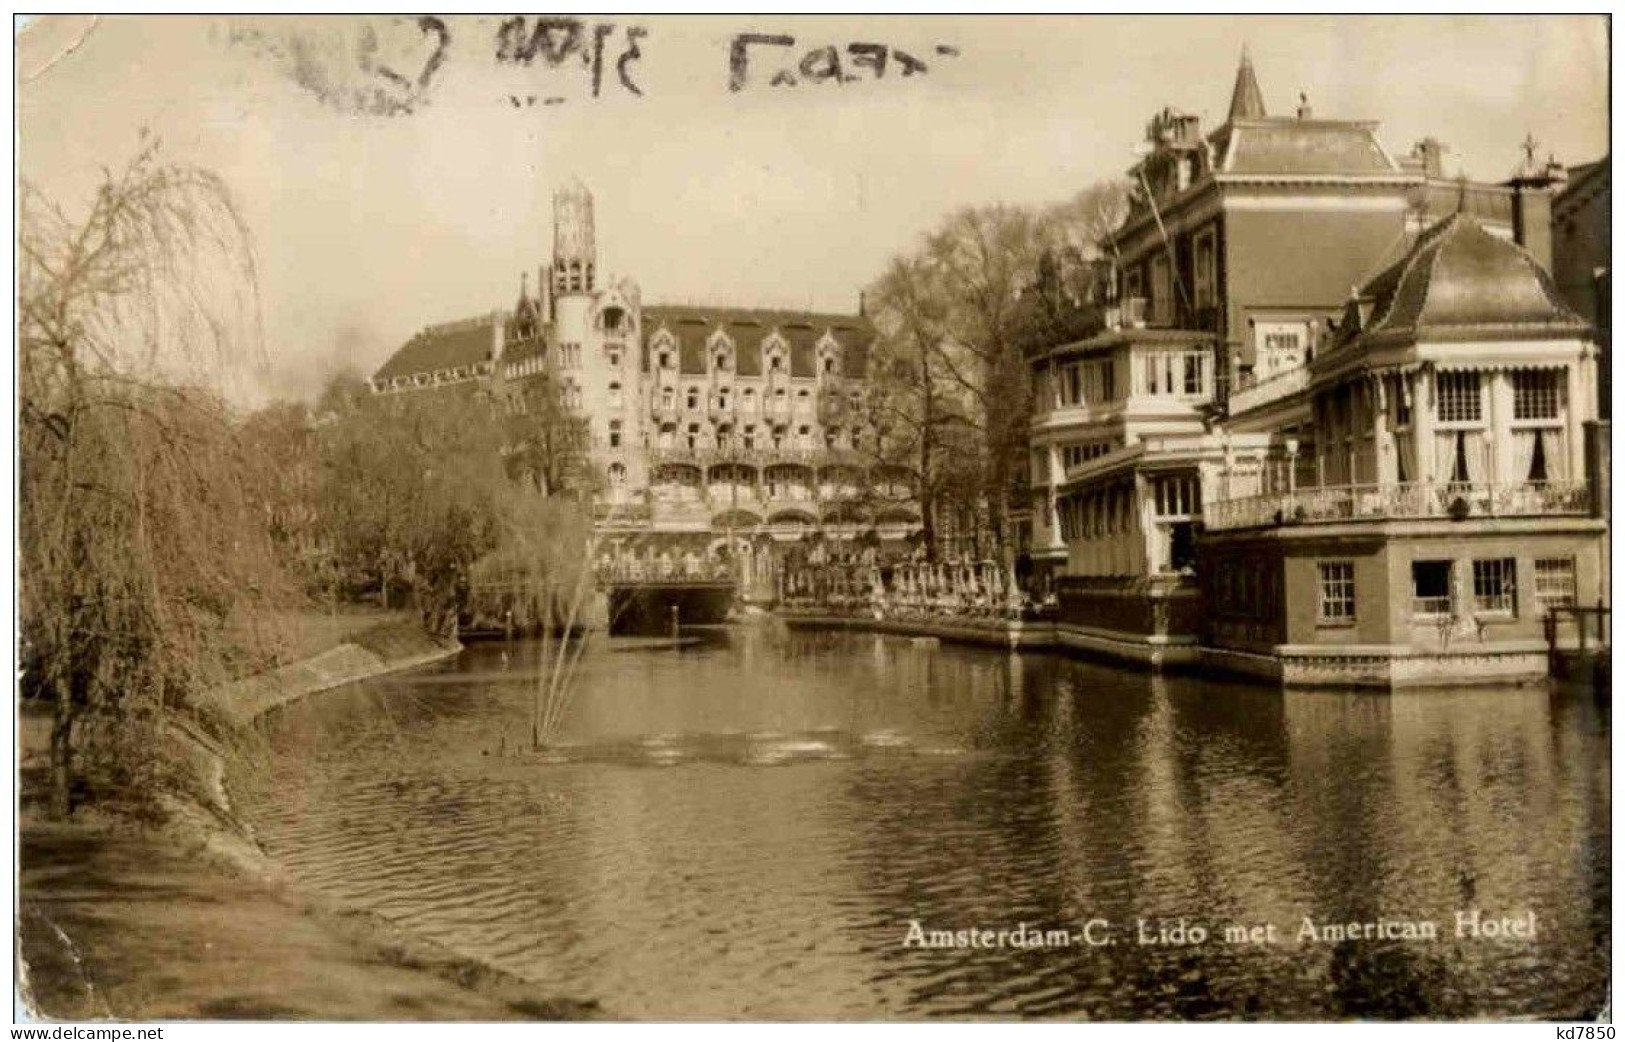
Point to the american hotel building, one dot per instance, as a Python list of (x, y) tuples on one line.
[(1249, 470), (708, 425)]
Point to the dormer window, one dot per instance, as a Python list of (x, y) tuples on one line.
[(613, 318), (722, 361)]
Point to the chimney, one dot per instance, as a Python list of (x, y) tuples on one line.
[(544, 294), (1431, 152), (1304, 111), (1532, 219), (496, 338)]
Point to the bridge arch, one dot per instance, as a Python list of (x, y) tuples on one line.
[(736, 519)]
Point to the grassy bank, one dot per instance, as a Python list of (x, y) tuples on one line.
[(187, 920), (128, 924)]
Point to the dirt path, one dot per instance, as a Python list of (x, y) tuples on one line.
[(117, 923)]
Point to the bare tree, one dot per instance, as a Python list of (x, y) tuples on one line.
[(145, 564), (959, 317), (915, 406)]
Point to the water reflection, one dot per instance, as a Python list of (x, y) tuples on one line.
[(748, 828)]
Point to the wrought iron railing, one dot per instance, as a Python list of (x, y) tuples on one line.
[(1400, 502)]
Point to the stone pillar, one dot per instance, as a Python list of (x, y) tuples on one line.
[(1422, 413), (1573, 406), (1387, 471), (1149, 544), (1500, 428)]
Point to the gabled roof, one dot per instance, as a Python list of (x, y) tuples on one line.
[(1460, 282), (748, 328), (441, 347)]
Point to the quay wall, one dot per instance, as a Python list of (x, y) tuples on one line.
[(1371, 667)]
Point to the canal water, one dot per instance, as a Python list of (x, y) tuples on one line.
[(750, 827)]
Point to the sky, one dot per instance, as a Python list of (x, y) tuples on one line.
[(379, 206)]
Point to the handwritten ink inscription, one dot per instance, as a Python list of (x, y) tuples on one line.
[(391, 66), (557, 43), (827, 64)]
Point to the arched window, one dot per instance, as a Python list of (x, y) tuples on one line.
[(722, 361), (693, 435), (615, 435), (693, 398), (617, 475), (667, 398), (665, 360)]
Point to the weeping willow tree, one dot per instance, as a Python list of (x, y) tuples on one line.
[(145, 563)]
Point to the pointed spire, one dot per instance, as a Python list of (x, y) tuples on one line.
[(1246, 100)]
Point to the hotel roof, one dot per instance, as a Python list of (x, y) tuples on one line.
[(446, 346), (1460, 282), (692, 326)]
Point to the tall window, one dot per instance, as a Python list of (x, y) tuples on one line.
[(1162, 292), (1193, 373), (1430, 588), (693, 398), (750, 436), (1207, 274), (1534, 394), (614, 395), (1460, 398), (1337, 591), (1176, 496), (1554, 582), (617, 475), (1494, 585), (614, 434)]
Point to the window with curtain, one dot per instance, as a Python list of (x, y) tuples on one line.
[(1460, 398)]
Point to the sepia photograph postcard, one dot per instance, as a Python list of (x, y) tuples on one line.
[(795, 518)]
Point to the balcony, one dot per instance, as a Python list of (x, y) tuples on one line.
[(1412, 501), (1268, 390)]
